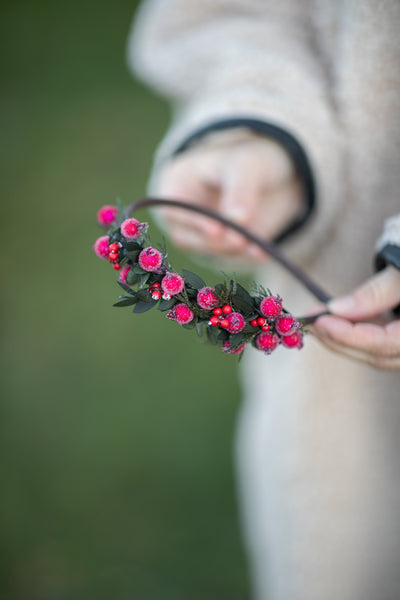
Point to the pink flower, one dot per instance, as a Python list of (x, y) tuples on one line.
[(286, 324), (271, 307), (206, 298), (101, 247), (107, 215), (150, 259), (172, 284), (236, 322), (123, 273), (131, 229), (295, 340), (267, 342), (227, 348), (181, 314)]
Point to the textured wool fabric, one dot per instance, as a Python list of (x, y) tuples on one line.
[(319, 435)]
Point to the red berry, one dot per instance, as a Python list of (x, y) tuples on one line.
[(217, 311), (214, 321), (206, 298), (286, 324), (166, 296), (101, 247), (107, 215), (181, 314), (295, 340), (113, 247), (227, 309), (265, 327), (224, 323), (113, 255), (254, 323), (271, 306), (172, 283), (236, 322), (156, 284), (131, 229), (150, 259), (156, 295), (267, 342), (260, 321), (116, 266)]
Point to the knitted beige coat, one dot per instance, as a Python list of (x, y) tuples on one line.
[(318, 443)]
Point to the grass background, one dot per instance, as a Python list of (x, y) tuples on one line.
[(115, 429)]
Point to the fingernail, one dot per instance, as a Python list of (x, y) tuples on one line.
[(343, 305)]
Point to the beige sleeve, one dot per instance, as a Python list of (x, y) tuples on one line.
[(218, 59)]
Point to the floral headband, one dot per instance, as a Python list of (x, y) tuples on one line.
[(227, 314)]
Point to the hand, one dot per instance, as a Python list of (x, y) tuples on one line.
[(377, 344), (248, 179)]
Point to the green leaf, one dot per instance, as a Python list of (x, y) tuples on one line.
[(240, 304), (222, 291), (126, 302), (132, 255), (235, 339), (243, 293), (142, 279), (145, 296), (137, 269), (212, 334), (193, 279), (133, 246), (223, 335), (190, 325), (166, 304), (199, 329), (132, 278), (142, 307), (126, 288)]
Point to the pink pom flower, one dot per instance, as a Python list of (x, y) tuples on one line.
[(150, 259), (131, 229), (236, 322), (207, 299), (172, 284), (107, 215), (271, 307), (101, 247), (267, 342), (123, 273), (227, 348), (181, 314), (286, 324), (294, 340)]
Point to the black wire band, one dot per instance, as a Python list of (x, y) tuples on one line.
[(269, 247)]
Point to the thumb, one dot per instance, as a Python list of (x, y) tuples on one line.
[(374, 297)]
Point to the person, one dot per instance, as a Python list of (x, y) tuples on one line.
[(286, 119)]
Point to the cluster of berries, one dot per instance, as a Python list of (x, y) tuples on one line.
[(231, 316)]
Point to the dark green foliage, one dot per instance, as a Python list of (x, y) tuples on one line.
[(126, 288), (192, 279), (142, 307), (127, 301), (166, 304)]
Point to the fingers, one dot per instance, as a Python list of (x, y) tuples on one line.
[(374, 344), (377, 295), (239, 182)]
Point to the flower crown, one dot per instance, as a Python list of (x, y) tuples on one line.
[(229, 315)]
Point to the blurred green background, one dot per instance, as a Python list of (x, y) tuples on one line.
[(116, 479)]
